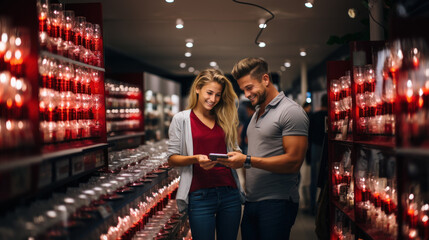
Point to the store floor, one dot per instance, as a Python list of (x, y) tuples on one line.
[(302, 229)]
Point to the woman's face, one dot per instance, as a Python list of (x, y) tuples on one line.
[(209, 95)]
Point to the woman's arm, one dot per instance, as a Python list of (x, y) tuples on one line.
[(202, 160)]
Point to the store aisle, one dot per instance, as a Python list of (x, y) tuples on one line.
[(304, 227)]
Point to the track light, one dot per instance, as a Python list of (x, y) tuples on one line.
[(309, 3), (302, 52), (262, 44), (179, 23), (262, 23), (189, 42)]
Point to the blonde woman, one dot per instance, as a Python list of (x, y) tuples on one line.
[(209, 192)]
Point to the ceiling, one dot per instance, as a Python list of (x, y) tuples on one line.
[(224, 31)]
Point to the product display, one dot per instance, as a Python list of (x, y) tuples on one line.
[(376, 182), (123, 107)]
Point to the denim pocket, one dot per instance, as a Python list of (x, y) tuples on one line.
[(197, 195)]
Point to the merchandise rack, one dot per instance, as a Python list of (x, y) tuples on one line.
[(36, 170), (403, 163)]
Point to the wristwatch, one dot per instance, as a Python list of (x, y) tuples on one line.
[(247, 163)]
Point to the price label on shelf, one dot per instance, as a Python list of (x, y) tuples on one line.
[(62, 169), (77, 165), (45, 174)]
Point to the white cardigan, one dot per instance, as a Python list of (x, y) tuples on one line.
[(180, 143)]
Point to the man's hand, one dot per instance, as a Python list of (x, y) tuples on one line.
[(235, 160)]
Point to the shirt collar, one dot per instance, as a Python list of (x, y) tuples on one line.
[(273, 102)]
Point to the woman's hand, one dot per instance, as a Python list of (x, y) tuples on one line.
[(205, 162)]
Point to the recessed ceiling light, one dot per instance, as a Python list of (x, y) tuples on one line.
[(188, 54), (169, 1), (189, 42), (302, 52), (351, 12), (262, 44), (309, 3), (213, 64), (282, 68), (196, 72), (179, 23), (287, 64), (262, 23), (191, 69), (182, 65)]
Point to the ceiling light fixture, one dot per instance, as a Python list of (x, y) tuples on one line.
[(302, 52), (262, 23), (188, 54), (169, 1), (262, 44), (266, 22), (282, 68), (191, 69), (213, 64), (179, 23), (351, 12), (287, 64), (309, 3), (182, 65), (189, 42)]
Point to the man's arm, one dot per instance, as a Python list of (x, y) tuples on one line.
[(294, 147)]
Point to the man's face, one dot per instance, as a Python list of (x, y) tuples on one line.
[(254, 90)]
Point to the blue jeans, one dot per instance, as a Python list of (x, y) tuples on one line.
[(268, 219), (214, 209)]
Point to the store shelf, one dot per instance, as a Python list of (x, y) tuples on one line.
[(125, 135), (348, 212), (343, 142), (416, 152), (97, 225), (372, 233), (388, 143), (62, 58), (26, 161)]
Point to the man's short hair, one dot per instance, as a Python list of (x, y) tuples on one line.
[(256, 67)]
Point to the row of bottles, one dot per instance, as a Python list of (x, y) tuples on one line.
[(123, 107), (64, 212), (69, 101), (15, 88), (63, 33)]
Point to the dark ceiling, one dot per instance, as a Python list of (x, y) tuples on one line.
[(224, 31)]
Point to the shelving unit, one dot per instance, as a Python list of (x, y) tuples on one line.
[(389, 184), (33, 171)]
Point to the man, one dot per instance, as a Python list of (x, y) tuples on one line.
[(277, 143)]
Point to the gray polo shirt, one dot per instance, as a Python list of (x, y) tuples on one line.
[(282, 117)]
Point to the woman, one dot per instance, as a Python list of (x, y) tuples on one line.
[(209, 192)]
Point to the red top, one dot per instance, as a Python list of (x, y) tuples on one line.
[(205, 141)]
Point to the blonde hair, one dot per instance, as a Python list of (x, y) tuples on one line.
[(225, 110)]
